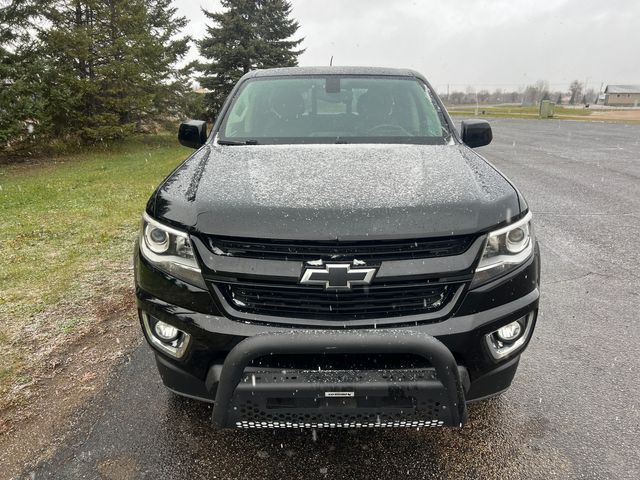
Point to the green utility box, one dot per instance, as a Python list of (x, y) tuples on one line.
[(546, 109)]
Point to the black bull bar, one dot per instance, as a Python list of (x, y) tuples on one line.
[(444, 387)]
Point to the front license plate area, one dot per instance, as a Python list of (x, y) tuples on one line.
[(339, 399)]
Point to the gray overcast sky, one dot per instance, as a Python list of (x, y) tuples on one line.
[(483, 43)]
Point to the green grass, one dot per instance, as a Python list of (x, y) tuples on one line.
[(515, 111), (71, 324), (63, 220)]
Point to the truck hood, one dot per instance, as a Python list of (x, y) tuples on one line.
[(331, 192)]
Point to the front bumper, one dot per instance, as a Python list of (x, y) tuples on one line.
[(215, 338), (335, 398)]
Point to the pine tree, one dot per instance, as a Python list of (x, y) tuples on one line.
[(249, 34), (88, 70), (20, 100), (111, 65), (172, 83)]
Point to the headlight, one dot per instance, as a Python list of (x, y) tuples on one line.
[(170, 250), (504, 250)]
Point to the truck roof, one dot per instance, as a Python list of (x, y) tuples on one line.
[(273, 72)]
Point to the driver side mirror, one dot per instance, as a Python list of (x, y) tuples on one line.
[(192, 133), (476, 133)]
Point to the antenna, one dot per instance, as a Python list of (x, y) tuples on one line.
[(331, 61)]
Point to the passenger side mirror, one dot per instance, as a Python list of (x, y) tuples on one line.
[(476, 133), (192, 133)]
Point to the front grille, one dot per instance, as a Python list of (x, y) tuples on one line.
[(340, 250), (375, 301)]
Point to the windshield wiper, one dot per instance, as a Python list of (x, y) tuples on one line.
[(236, 142)]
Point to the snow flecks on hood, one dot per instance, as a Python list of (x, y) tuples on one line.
[(336, 176), (330, 191), (186, 179), (488, 180)]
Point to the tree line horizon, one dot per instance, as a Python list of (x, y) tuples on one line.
[(575, 94), (75, 72)]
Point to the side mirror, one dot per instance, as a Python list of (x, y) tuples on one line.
[(192, 133), (476, 133)]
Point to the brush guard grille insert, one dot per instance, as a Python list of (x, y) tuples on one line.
[(340, 399)]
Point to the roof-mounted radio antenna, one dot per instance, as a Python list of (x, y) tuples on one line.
[(331, 61)]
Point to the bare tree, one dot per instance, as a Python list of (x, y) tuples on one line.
[(496, 96), (576, 90), (590, 96), (483, 96), (542, 87), (534, 93), (456, 98)]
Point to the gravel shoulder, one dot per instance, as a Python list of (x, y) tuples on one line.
[(71, 377)]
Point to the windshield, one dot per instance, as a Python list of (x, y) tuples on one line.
[(334, 109)]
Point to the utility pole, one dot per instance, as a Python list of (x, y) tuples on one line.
[(477, 106), (584, 92), (599, 92)]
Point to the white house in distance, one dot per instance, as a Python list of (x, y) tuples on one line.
[(622, 95)]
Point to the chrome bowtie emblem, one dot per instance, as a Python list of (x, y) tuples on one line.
[(337, 276)]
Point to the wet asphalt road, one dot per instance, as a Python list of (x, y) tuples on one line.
[(573, 410)]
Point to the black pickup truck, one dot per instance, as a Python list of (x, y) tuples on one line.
[(334, 254)]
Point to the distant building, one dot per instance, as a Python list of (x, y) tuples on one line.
[(622, 95)]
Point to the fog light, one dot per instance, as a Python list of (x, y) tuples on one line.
[(510, 338), (166, 338), (508, 333), (165, 332)]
